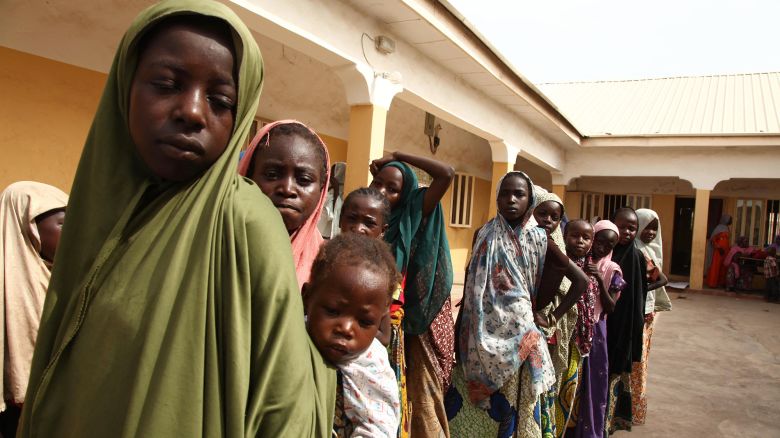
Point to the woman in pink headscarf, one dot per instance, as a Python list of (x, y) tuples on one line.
[(594, 383), (291, 165)]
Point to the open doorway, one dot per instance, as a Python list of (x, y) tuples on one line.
[(683, 231), (682, 236), (715, 212)]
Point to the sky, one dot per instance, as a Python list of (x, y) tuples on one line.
[(590, 40)]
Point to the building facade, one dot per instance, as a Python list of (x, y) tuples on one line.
[(327, 64)]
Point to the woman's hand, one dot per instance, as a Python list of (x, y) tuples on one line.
[(379, 163), (540, 319)]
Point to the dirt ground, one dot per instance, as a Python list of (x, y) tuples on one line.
[(714, 369)]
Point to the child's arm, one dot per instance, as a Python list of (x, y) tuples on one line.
[(441, 173), (383, 334), (608, 299), (662, 281), (579, 282)]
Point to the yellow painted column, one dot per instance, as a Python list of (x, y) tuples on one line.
[(499, 170), (699, 244), (366, 142), (560, 190), (573, 204), (664, 206)]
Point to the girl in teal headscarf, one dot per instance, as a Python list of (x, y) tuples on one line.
[(419, 242), (173, 308)]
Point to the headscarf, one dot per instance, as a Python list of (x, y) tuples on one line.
[(625, 325), (606, 266), (24, 278), (722, 227), (306, 240), (542, 195), (173, 308), (428, 275), (497, 333), (657, 300)]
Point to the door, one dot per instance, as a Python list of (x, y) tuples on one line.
[(682, 236), (715, 212)]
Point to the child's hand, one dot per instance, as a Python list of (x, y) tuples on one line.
[(592, 269), (379, 163)]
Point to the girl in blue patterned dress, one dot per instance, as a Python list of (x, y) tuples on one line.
[(503, 362)]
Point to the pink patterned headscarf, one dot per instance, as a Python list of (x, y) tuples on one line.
[(606, 266), (306, 240)]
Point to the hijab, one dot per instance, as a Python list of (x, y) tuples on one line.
[(497, 333), (173, 308), (422, 253), (722, 227), (606, 266), (542, 195), (306, 240), (658, 299), (24, 278), (625, 325)]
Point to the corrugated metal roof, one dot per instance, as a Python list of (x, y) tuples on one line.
[(701, 105)]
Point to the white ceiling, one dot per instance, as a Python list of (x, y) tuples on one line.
[(404, 23)]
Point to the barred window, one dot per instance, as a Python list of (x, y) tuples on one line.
[(590, 207), (462, 200), (749, 220), (613, 202), (772, 227)]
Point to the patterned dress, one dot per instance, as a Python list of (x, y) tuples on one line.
[(504, 364)]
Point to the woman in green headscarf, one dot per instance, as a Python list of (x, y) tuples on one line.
[(418, 238), (173, 308)]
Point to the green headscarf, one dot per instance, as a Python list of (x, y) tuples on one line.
[(422, 254), (173, 308)]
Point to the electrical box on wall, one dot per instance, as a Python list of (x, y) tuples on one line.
[(384, 44), (430, 124)]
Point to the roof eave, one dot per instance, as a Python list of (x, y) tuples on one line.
[(445, 18)]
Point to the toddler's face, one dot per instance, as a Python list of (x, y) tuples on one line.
[(344, 311)]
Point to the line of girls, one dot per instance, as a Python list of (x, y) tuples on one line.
[(179, 306)]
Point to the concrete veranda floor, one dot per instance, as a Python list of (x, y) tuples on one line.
[(714, 369)]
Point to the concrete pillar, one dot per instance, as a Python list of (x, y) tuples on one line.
[(499, 170), (366, 142), (504, 157), (699, 243), (560, 190), (664, 206), (573, 204), (369, 95)]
